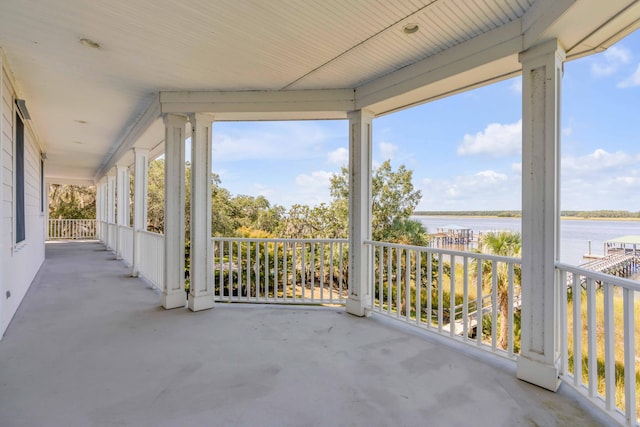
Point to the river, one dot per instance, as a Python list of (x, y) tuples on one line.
[(574, 234)]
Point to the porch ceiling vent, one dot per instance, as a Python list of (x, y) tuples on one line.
[(22, 107)]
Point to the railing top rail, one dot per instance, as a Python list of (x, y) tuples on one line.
[(276, 240), (150, 233), (477, 255), (603, 277), (125, 227), (71, 219)]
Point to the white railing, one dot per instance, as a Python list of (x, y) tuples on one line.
[(288, 271), (125, 243), (598, 330), (151, 257), (468, 296), (112, 233), (72, 229), (100, 230)]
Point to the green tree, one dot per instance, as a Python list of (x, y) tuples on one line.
[(502, 243), (72, 202), (393, 201)]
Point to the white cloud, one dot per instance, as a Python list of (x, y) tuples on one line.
[(387, 150), (516, 168), (270, 140), (611, 61), (313, 188), (632, 80), (600, 161), (496, 140), (484, 190), (516, 85), (567, 131), (263, 190), (339, 156), (601, 180)]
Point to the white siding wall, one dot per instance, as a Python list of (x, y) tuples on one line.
[(19, 264)]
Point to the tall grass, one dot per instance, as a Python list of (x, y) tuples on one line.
[(600, 343)]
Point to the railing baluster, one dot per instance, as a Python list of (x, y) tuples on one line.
[(429, 293), (276, 283), (407, 285), (331, 273), (494, 305), (418, 288), (452, 295), (591, 338), (630, 385), (312, 253), (509, 318), (465, 298), (561, 277), (609, 354), (389, 280), (341, 279), (577, 330), (322, 248), (294, 271), (267, 270), (440, 296), (479, 302)]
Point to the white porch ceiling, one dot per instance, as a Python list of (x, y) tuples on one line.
[(90, 105)]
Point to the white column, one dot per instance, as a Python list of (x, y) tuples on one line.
[(201, 251), (140, 186), (111, 209), (103, 208), (98, 209), (173, 294), (122, 204), (360, 123), (540, 348)]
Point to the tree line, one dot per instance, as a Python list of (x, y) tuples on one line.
[(394, 199), (596, 214)]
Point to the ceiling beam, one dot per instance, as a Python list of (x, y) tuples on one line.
[(329, 103), (119, 150)]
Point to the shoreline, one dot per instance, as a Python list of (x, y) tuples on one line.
[(571, 218)]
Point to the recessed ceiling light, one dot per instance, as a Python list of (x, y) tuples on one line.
[(410, 28), (90, 43)]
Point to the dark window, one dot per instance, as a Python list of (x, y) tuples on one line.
[(20, 233), (42, 194)]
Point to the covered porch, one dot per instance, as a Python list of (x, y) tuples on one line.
[(112, 85), (90, 345)]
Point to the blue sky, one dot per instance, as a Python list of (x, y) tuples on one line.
[(464, 150)]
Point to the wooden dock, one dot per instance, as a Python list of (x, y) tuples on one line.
[(617, 263)]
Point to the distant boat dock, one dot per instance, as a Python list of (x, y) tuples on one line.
[(621, 257)]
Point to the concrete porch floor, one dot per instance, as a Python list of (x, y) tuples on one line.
[(90, 346)]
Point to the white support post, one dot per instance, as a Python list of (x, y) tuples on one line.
[(539, 361), (201, 251), (140, 188), (173, 294), (122, 201), (360, 123), (46, 196), (103, 208), (98, 209), (111, 208)]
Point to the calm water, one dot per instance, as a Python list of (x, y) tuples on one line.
[(575, 234)]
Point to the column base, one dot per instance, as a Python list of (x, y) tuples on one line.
[(202, 302), (357, 307), (174, 300), (538, 373)]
